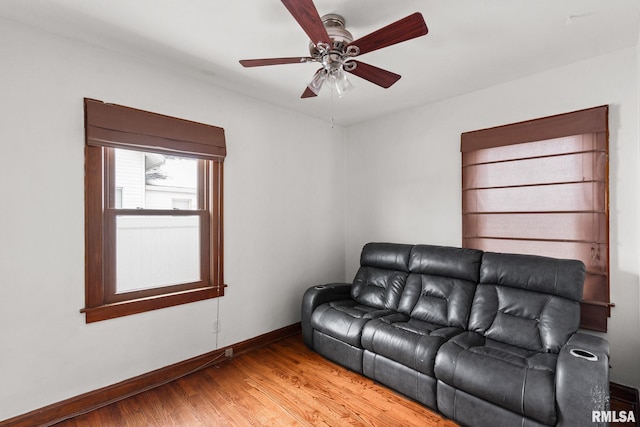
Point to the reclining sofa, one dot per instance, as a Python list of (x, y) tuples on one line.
[(486, 339)]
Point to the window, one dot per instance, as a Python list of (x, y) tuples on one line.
[(153, 211), (181, 203), (541, 187)]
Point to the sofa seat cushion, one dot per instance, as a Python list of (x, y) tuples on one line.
[(344, 320), (411, 342), (517, 379)]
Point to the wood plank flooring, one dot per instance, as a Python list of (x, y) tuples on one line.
[(283, 384)]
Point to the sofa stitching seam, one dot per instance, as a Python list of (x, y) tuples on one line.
[(524, 386)]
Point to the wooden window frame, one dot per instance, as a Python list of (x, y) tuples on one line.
[(592, 121), (111, 126)]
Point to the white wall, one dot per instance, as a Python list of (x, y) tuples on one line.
[(403, 173), (284, 219)]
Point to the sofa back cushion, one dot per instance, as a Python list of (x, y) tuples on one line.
[(528, 301), (383, 272), (441, 284)]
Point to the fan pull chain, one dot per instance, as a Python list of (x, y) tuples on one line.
[(331, 121)]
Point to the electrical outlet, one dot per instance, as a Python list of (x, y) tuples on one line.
[(228, 352)]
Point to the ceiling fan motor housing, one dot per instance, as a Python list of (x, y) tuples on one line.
[(340, 37)]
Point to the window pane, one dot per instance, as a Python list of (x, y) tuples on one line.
[(156, 251), (153, 181)]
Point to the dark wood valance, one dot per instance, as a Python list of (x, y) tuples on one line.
[(591, 120), (110, 125)]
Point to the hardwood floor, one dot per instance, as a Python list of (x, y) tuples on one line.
[(283, 384)]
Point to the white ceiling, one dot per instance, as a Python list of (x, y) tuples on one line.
[(472, 44)]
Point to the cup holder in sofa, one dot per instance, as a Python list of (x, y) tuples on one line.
[(320, 287), (583, 354)]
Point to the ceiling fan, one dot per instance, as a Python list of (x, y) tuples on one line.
[(333, 47)]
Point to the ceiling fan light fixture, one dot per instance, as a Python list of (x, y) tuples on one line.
[(338, 81), (318, 79), (335, 79)]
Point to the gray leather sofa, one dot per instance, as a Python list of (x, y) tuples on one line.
[(486, 339)]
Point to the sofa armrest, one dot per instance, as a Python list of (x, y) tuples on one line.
[(582, 380), (315, 296)]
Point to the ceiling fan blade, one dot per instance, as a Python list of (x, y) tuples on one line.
[(308, 93), (375, 75), (275, 61), (405, 29), (307, 16)]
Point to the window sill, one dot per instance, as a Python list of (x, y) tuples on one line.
[(141, 305)]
